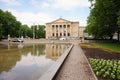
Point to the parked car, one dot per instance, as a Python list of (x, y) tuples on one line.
[(63, 38), (17, 40)]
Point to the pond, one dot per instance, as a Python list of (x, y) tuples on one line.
[(29, 61)]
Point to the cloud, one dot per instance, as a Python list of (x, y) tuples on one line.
[(45, 4), (83, 23), (10, 2), (30, 18), (35, 3), (66, 4)]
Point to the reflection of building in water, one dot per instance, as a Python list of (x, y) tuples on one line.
[(55, 51), (38, 49)]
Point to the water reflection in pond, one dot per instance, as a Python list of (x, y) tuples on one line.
[(27, 62)]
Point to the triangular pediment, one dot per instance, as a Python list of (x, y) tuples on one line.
[(60, 20)]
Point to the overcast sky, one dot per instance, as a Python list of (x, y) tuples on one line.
[(42, 11)]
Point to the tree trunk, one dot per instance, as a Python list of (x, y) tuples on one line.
[(118, 36), (111, 37)]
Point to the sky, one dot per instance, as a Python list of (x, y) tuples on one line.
[(34, 12)]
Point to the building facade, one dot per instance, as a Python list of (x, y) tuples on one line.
[(81, 31), (62, 28)]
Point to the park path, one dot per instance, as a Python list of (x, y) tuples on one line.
[(76, 66)]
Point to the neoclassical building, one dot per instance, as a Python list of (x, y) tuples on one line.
[(62, 27)]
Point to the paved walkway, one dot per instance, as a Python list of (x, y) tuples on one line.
[(75, 67)]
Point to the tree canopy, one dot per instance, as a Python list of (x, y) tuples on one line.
[(38, 31), (10, 26), (103, 18)]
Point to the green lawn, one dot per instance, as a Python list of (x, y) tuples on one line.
[(110, 46)]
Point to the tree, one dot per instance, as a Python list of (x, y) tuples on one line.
[(38, 31), (103, 18), (25, 31), (118, 22), (41, 31), (9, 24), (0, 30)]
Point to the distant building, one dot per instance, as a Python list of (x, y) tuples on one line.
[(62, 27), (81, 31)]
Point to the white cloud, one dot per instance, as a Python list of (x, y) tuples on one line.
[(35, 3), (83, 23), (66, 4), (45, 4), (30, 18), (10, 2)]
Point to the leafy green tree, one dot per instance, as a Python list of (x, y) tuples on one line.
[(118, 22), (0, 30), (38, 31), (103, 18), (41, 31), (9, 24), (25, 31)]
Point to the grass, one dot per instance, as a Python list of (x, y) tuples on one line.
[(112, 47), (115, 47)]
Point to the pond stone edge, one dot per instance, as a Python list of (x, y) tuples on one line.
[(53, 70), (90, 67)]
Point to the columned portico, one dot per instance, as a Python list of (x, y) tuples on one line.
[(61, 30), (62, 27)]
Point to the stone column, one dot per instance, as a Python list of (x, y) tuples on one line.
[(66, 30), (55, 30), (58, 30), (62, 30)]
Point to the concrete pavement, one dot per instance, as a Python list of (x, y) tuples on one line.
[(76, 67)]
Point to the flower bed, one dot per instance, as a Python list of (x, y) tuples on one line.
[(108, 69)]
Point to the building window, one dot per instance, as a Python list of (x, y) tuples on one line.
[(53, 26), (60, 26), (60, 34), (68, 34), (53, 34), (68, 25)]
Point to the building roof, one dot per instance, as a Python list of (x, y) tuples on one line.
[(60, 20)]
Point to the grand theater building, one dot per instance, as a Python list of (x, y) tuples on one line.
[(62, 28)]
